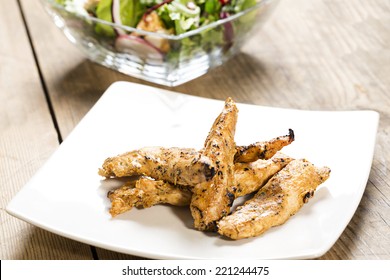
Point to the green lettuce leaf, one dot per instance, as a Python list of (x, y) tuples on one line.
[(131, 12), (103, 12)]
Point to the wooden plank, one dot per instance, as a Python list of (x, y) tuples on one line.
[(74, 83), (321, 55), (27, 139)]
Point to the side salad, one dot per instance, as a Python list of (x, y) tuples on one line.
[(171, 17)]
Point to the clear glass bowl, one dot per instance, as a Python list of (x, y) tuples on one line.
[(188, 56)]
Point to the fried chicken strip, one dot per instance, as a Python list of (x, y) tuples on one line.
[(251, 176), (212, 200), (264, 149), (184, 166), (175, 165), (146, 192), (283, 195)]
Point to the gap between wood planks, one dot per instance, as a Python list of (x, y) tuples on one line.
[(44, 87), (47, 96)]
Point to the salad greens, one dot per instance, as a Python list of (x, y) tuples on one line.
[(172, 17), (103, 11)]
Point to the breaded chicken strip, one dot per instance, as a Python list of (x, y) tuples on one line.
[(183, 166), (264, 149), (276, 202), (251, 176), (212, 200), (175, 165), (146, 192)]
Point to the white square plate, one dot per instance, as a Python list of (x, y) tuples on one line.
[(68, 197)]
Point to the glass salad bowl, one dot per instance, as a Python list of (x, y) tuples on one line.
[(168, 42)]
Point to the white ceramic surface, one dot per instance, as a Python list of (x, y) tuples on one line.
[(67, 196)]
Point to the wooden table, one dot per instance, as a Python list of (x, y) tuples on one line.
[(312, 54)]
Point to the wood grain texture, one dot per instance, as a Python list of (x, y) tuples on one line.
[(74, 83), (317, 54), (27, 139)]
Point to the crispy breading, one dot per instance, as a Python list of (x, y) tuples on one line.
[(212, 200), (175, 165), (146, 192), (263, 149), (185, 166), (283, 195), (249, 177)]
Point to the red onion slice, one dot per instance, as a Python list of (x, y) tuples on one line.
[(228, 33), (116, 16), (138, 47)]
